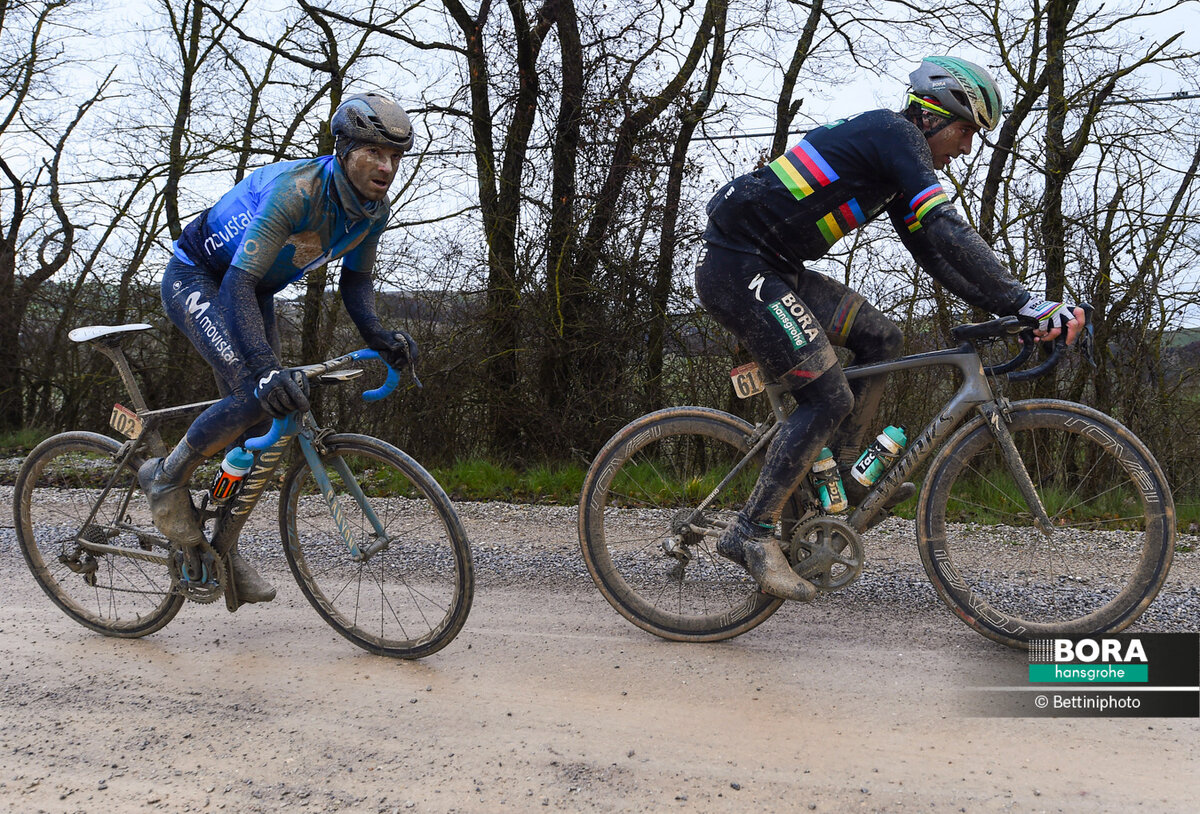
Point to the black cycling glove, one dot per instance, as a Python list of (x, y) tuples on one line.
[(282, 392), (396, 348)]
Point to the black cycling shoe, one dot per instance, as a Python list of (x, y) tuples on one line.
[(856, 492), (753, 548)]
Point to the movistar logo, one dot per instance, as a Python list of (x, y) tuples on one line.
[(194, 306)]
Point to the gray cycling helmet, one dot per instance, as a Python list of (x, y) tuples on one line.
[(957, 88), (372, 118)]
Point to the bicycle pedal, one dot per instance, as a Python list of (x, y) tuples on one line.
[(197, 585)]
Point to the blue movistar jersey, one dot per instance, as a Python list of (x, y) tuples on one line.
[(283, 221)]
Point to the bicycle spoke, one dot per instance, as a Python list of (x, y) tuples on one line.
[(1107, 549), (654, 483), (408, 598), (56, 492)]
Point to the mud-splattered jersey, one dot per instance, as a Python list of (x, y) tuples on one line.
[(284, 220), (839, 177)]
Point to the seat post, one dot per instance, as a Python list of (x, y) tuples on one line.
[(110, 346)]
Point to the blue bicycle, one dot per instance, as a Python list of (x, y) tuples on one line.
[(369, 535)]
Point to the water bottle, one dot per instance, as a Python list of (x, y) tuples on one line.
[(235, 466), (829, 483), (886, 447)]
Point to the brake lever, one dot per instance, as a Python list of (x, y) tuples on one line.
[(1087, 338)]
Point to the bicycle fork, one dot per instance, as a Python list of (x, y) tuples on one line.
[(317, 467), (994, 413)]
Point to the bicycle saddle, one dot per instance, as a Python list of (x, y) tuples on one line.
[(90, 332)]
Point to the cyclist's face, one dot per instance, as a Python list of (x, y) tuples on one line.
[(950, 142), (372, 168)]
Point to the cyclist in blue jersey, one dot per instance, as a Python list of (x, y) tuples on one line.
[(751, 276), (272, 228)]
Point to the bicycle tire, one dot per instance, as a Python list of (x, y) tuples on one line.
[(1113, 517), (656, 469), (113, 594), (424, 578)]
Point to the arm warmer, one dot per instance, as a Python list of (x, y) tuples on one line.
[(954, 254), (359, 298), (239, 303)]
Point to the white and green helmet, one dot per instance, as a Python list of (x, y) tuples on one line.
[(956, 88)]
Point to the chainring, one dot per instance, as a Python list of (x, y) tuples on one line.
[(202, 561), (827, 552)]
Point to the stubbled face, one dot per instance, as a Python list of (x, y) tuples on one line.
[(371, 169), (950, 142)]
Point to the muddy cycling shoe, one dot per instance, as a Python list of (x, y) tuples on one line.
[(752, 547), (903, 492), (170, 504), (250, 585)]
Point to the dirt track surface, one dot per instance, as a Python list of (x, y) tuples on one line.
[(548, 700)]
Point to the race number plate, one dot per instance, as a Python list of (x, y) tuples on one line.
[(747, 380), (125, 421)]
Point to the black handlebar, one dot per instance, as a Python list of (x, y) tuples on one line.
[(1022, 327), (1052, 359)]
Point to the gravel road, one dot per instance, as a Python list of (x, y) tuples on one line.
[(548, 700)]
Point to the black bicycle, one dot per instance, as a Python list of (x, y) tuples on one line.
[(1038, 518), (369, 535)]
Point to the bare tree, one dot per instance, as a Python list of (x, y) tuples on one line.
[(31, 253)]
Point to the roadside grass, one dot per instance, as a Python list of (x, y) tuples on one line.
[(19, 442), (484, 480)]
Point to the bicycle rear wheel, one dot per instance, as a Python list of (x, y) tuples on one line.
[(106, 574), (1113, 518), (411, 597), (645, 482)]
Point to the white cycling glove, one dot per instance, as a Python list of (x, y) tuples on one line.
[(1050, 315)]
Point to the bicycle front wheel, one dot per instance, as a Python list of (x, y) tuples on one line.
[(409, 590), (1113, 526), (106, 573), (650, 553)]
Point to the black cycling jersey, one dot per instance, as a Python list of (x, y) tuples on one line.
[(843, 175)]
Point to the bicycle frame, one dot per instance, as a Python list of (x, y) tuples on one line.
[(974, 394), (229, 520)]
